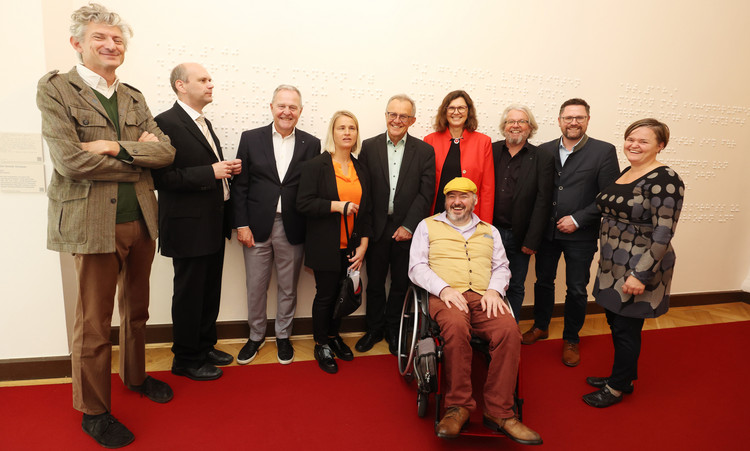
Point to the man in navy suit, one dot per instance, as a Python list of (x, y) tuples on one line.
[(401, 170), (268, 224), (583, 167), (194, 223)]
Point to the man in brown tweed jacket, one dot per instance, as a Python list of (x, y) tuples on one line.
[(103, 143)]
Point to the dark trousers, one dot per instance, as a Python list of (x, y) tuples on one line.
[(326, 291), (519, 267), (578, 257), (126, 271), (386, 253), (626, 338), (195, 307)]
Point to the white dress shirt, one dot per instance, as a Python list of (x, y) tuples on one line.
[(96, 81), (283, 150)]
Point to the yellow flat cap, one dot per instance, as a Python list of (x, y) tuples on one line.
[(461, 184)]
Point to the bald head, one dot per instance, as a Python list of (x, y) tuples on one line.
[(193, 85)]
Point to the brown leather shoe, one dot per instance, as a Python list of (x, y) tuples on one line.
[(532, 335), (514, 429), (571, 356), (450, 426)]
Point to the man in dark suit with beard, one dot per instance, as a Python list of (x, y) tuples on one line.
[(583, 167), (194, 223)]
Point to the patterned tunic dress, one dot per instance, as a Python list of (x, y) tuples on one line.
[(638, 223)]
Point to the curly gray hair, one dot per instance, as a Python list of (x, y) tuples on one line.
[(94, 12)]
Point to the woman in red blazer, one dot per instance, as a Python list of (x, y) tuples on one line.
[(461, 151)]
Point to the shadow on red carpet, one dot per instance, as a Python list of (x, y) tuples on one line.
[(691, 394)]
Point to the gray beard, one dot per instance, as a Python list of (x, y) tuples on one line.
[(516, 141), (455, 219)]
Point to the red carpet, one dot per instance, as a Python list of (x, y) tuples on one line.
[(692, 394)]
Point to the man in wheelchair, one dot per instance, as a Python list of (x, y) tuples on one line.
[(461, 262)]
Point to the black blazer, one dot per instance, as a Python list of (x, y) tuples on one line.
[(590, 168), (532, 198), (317, 188), (193, 219), (256, 190), (415, 189)]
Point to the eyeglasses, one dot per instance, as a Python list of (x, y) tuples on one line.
[(456, 109), (569, 119), (518, 122), (400, 117)]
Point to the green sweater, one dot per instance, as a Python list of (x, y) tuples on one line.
[(127, 201)]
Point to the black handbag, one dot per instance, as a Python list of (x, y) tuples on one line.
[(349, 297)]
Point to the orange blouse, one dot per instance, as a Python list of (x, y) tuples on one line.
[(350, 190)]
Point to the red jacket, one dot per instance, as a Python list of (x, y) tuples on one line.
[(477, 164)]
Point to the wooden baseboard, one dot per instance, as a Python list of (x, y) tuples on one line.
[(227, 330), (676, 300), (35, 368), (55, 367)]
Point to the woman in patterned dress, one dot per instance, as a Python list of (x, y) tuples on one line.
[(639, 216)]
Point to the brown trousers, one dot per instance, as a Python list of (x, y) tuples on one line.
[(504, 338), (128, 270)]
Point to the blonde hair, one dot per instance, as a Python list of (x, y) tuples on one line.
[(329, 146)]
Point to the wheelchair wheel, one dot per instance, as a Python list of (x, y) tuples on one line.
[(408, 333), (422, 403)]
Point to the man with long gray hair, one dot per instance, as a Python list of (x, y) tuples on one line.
[(103, 143), (523, 195)]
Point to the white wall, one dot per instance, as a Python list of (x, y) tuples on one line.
[(678, 61), (32, 321)]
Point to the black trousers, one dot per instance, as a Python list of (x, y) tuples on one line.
[(578, 257), (384, 315), (626, 338), (326, 291), (195, 307)]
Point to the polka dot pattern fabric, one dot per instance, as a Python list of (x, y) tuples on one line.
[(638, 223)]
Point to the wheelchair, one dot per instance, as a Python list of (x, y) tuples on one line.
[(420, 352)]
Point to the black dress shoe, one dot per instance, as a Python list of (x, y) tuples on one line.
[(206, 372), (393, 344), (600, 382), (106, 430), (218, 358), (601, 398), (324, 356), (340, 348), (154, 389), (367, 341)]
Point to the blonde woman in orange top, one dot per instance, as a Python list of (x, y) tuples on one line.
[(328, 183)]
